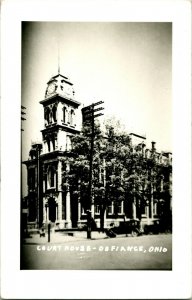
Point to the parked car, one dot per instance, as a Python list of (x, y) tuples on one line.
[(128, 227)]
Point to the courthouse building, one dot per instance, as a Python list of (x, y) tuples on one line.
[(47, 200)]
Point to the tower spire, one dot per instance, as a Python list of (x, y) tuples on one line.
[(58, 59)]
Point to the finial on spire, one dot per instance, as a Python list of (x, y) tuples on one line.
[(58, 59)]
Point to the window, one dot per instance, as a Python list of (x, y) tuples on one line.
[(120, 208), (83, 211), (144, 210), (155, 208), (54, 113), (68, 143), (64, 114), (46, 115), (72, 117), (110, 208), (51, 178), (97, 209), (31, 178)]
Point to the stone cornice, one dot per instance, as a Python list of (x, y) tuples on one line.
[(56, 127), (60, 98)]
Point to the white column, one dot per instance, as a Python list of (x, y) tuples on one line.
[(92, 210), (60, 113), (134, 209), (104, 183), (105, 216), (44, 211), (59, 175), (59, 207), (51, 145), (68, 209), (68, 202), (56, 213), (59, 187), (147, 213), (79, 211), (151, 201), (134, 203), (47, 213)]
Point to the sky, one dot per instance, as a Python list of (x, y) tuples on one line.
[(128, 65)]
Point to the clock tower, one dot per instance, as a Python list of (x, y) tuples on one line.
[(50, 201), (60, 111)]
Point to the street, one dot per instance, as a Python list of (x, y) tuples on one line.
[(147, 252)]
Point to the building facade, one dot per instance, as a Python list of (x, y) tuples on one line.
[(49, 200)]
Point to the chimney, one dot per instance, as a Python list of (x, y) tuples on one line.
[(153, 146)]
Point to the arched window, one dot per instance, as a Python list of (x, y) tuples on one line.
[(46, 115), (50, 117), (68, 143), (48, 144), (51, 177), (64, 114), (54, 110), (72, 117)]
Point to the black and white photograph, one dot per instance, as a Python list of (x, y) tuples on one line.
[(97, 152), (99, 187)]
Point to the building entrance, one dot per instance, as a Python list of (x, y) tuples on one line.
[(52, 210)]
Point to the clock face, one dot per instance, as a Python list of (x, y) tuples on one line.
[(51, 88)]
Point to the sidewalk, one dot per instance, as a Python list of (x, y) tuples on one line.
[(62, 237)]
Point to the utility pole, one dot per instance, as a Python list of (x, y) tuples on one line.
[(88, 115), (23, 113), (23, 208), (38, 151)]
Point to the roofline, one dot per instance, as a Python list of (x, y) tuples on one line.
[(71, 129), (142, 137), (55, 154), (77, 103), (66, 79)]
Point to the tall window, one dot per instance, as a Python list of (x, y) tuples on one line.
[(54, 113), (68, 143), (97, 209), (64, 114), (72, 117), (51, 178), (110, 208), (155, 208), (47, 115), (83, 211), (120, 208), (31, 178)]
